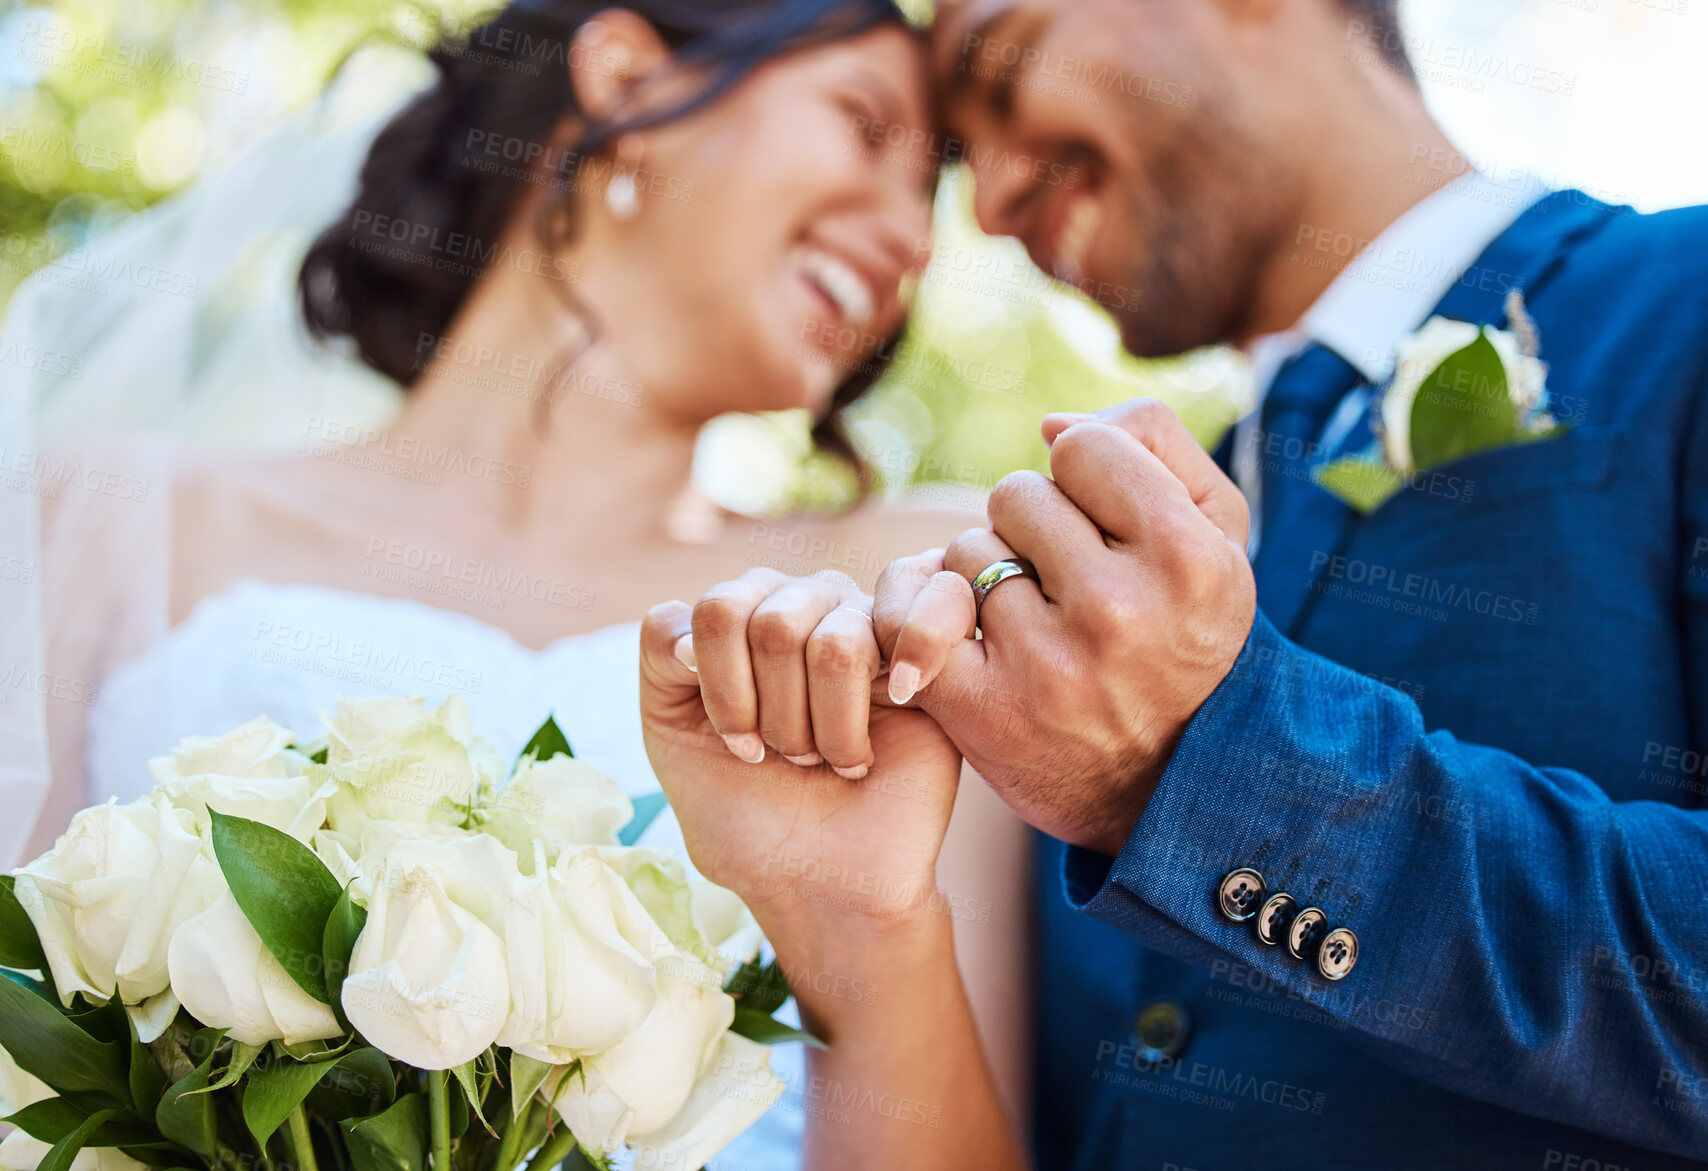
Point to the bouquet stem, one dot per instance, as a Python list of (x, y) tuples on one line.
[(556, 1150), (438, 1102), (302, 1143)]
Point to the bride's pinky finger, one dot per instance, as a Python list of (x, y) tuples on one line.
[(842, 661), (942, 616)]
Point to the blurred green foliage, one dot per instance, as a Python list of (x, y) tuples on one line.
[(107, 106)]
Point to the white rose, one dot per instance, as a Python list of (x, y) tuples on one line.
[(704, 920), (18, 1087), (259, 750), (393, 760), (428, 982), (728, 1098), (581, 952), (654, 1069), (108, 898), (227, 978), (561, 802), (249, 772), (20, 1152), (1421, 354)]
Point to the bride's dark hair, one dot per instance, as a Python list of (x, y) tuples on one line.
[(511, 78)]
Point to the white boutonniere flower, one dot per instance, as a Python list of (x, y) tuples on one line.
[(1457, 389)]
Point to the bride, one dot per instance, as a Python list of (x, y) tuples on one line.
[(572, 260)]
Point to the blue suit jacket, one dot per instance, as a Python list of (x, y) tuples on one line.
[(1470, 727)]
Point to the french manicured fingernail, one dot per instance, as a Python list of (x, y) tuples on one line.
[(807, 761), (904, 682), (857, 773), (685, 653), (746, 746)]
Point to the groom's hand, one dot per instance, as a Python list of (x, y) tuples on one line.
[(1071, 704)]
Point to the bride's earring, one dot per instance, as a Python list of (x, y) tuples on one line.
[(622, 195)]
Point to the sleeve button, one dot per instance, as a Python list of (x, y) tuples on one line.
[(1274, 917), (1338, 954), (1305, 934), (1240, 893)]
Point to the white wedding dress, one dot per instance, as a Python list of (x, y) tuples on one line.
[(289, 652)]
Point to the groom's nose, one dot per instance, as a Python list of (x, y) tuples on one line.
[(1003, 200)]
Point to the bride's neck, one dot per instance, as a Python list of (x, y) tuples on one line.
[(571, 443)]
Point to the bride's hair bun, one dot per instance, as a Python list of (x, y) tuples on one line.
[(368, 278)]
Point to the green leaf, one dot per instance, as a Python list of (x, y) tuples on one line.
[(147, 1079), (548, 742), (393, 1140), (44, 1041), (19, 945), (359, 1084), (646, 808), (273, 1092), (52, 1119), (242, 1057), (337, 941), (1463, 407), (319, 756), (286, 893), (762, 1027), (65, 1151), (465, 1075), (760, 987), (187, 1117), (1364, 482), (526, 1078)]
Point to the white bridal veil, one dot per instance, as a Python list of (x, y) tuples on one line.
[(178, 328)]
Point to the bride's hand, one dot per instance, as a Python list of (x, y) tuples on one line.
[(841, 835)]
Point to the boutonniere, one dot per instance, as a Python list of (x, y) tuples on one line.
[(1457, 389)]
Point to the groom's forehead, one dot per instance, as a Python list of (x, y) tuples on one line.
[(967, 32)]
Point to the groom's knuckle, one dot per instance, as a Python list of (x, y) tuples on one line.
[(1016, 492)]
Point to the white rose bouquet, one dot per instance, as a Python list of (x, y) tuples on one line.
[(376, 953)]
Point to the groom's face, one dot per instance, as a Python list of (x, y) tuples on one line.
[(1126, 143)]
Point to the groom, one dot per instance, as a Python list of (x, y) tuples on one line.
[(1401, 861)]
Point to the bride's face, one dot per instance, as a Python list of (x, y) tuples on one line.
[(774, 232)]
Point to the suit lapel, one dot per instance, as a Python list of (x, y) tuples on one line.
[(1319, 527)]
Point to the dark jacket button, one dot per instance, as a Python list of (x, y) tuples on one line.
[(1305, 934), (1275, 916), (1240, 894), (1338, 954), (1161, 1028)]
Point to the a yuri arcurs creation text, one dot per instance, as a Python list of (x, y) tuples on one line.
[(376, 951)]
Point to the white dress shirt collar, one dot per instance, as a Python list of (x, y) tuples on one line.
[(1394, 283)]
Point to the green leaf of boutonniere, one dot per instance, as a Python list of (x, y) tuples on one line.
[(1463, 407), (1363, 481), (548, 742)]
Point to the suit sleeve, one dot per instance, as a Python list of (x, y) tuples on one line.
[(1559, 939)]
